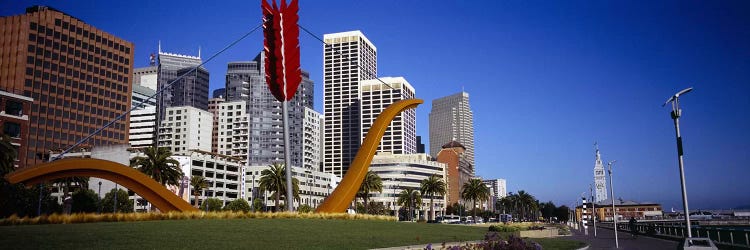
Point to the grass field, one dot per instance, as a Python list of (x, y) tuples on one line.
[(242, 234)]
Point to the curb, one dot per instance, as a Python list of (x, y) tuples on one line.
[(434, 245), (584, 248)]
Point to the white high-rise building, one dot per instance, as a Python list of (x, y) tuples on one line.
[(401, 135), (143, 118), (233, 129), (451, 119), (600, 180), (142, 126), (185, 128), (401, 171), (311, 139), (349, 57), (213, 107), (497, 187)]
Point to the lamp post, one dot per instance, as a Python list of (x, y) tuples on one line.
[(676, 113), (99, 209), (252, 195), (614, 212), (115, 200), (309, 193), (593, 208)]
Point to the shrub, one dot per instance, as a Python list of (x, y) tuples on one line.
[(305, 208), (505, 228), (238, 205), (124, 204), (85, 201), (214, 204)]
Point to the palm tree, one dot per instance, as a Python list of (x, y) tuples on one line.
[(433, 186), (475, 190), (409, 196), (527, 203), (7, 155), (159, 165), (273, 180), (372, 182), (198, 183)]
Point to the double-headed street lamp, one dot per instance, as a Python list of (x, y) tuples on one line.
[(614, 211), (676, 113)]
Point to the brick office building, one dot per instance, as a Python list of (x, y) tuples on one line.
[(14, 122), (77, 75)]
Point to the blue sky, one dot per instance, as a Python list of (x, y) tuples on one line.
[(546, 79)]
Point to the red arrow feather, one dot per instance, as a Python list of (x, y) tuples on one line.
[(281, 46)]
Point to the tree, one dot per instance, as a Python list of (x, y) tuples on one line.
[(81, 182), (410, 198), (273, 180), (124, 204), (85, 201), (214, 204), (159, 165), (455, 208), (528, 205), (238, 205), (198, 183), (474, 190), (562, 213), (372, 182), (430, 187), (7, 155), (548, 210)]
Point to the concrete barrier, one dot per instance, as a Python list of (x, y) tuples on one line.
[(545, 233)]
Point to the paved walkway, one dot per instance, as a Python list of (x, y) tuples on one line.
[(605, 239)]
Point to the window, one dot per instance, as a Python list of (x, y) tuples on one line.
[(12, 129), (14, 108)]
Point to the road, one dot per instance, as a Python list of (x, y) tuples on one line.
[(605, 239)]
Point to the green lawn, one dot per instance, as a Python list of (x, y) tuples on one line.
[(238, 233)]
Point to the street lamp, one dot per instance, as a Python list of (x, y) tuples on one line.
[(115, 200), (614, 212), (309, 194), (676, 113), (593, 208), (100, 198)]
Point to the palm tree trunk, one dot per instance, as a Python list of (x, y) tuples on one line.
[(364, 199), (432, 209), (196, 199), (276, 204), (474, 212)]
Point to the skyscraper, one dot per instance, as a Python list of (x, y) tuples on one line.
[(451, 119), (213, 108), (78, 76), (349, 57), (143, 118), (245, 81), (191, 90), (600, 180), (401, 135), (186, 128)]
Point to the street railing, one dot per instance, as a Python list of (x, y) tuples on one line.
[(720, 236)]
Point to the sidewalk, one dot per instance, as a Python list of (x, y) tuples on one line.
[(606, 240)]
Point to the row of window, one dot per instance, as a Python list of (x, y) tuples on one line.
[(80, 31)]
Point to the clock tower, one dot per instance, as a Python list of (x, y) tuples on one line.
[(600, 181)]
